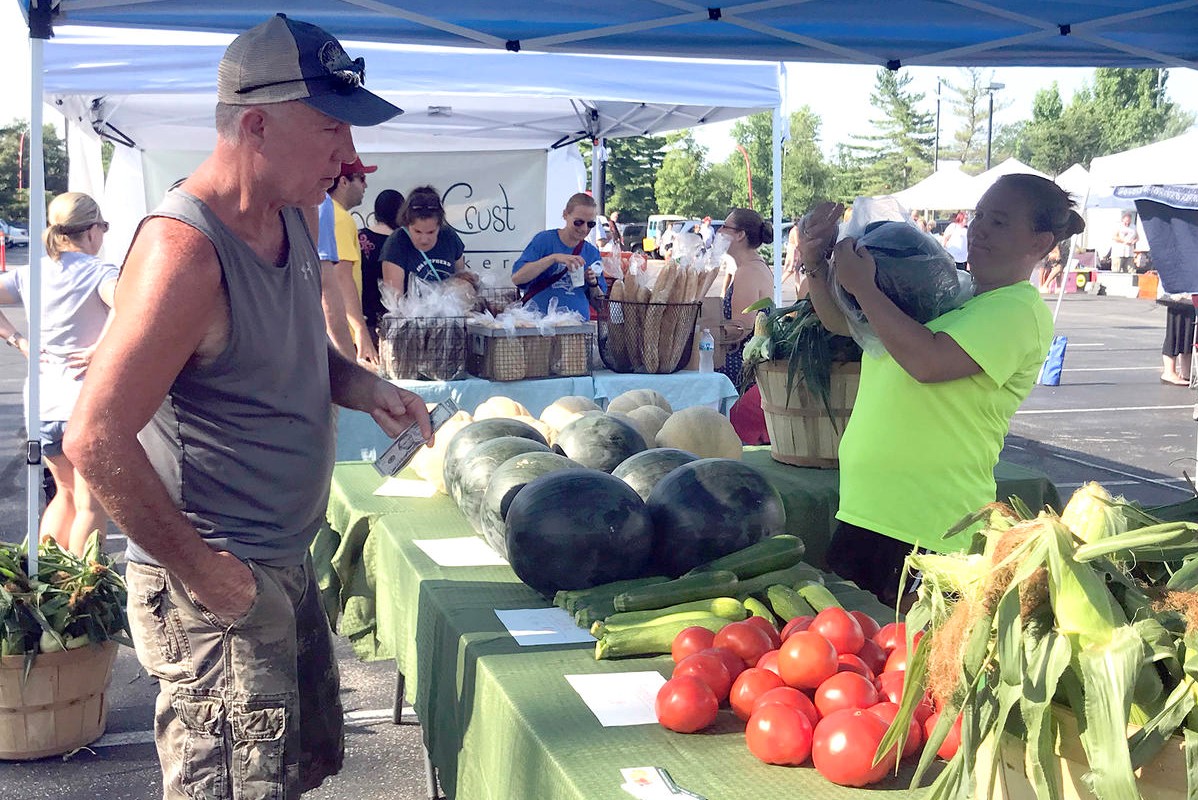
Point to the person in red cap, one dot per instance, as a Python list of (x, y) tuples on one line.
[(205, 426), (347, 192)]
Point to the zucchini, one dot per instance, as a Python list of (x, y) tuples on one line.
[(768, 555), (572, 599), (701, 586), (726, 607), (787, 577), (787, 603), (759, 609), (817, 595), (650, 638)]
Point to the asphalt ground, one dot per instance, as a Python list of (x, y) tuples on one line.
[(1110, 420)]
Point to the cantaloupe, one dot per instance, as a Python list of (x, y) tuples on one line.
[(636, 398), (703, 431), (429, 462), (500, 406), (648, 421), (564, 410)]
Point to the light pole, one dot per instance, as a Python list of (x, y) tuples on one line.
[(990, 90), (748, 172), (936, 150)]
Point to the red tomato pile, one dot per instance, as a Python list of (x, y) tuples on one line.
[(825, 690)]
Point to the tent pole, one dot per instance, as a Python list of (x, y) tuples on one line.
[(598, 155), (33, 290), (776, 146)]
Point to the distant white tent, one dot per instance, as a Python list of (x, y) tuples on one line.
[(1076, 181), (1170, 162), (1012, 166), (946, 188)]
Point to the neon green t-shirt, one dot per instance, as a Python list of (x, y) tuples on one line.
[(916, 458)]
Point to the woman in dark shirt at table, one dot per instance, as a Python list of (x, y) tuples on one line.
[(424, 246), (371, 240)]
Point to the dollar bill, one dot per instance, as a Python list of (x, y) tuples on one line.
[(400, 452)]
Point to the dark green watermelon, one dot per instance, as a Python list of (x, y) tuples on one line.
[(509, 478), (710, 508), (576, 528), (644, 470), (475, 470), (473, 434), (598, 441)]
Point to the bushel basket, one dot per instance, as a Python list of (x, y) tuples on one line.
[(423, 348), (647, 337), (801, 432)]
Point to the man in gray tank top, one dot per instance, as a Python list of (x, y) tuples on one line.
[(218, 359)]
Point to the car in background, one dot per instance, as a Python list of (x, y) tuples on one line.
[(13, 236), (654, 228)]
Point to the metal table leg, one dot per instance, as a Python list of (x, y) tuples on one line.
[(430, 777), (397, 705)]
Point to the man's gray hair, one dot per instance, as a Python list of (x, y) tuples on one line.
[(228, 121)]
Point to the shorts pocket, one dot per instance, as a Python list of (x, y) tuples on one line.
[(259, 737), (158, 632), (202, 771), (222, 624)]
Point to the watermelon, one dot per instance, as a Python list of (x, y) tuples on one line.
[(710, 508), (475, 470), (475, 433), (578, 528), (509, 478), (598, 441), (643, 470)]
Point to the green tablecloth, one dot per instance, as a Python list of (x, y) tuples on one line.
[(500, 720), (346, 554)]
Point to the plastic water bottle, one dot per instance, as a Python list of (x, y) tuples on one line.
[(706, 351)]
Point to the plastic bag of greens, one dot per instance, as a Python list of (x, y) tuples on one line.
[(914, 271)]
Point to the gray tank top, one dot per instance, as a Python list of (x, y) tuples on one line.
[(245, 443)]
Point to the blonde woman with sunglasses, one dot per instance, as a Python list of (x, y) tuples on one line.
[(560, 263), (77, 297)]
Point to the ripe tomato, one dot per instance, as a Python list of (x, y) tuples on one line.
[(869, 626), (891, 636), (843, 748), (848, 663), (746, 640), (890, 690), (845, 690), (873, 656), (795, 625), (897, 660), (887, 712), (779, 734), (708, 668), (769, 661), (770, 631), (690, 641), (948, 748), (749, 685), (789, 696), (686, 704), (734, 663), (806, 660), (838, 627)]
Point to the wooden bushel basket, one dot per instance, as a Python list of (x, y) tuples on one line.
[(800, 431), (61, 706)]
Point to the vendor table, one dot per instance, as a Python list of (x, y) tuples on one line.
[(358, 434), (347, 558)]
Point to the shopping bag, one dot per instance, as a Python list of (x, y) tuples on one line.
[(1054, 362)]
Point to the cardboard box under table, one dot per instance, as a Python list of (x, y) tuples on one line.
[(499, 354)]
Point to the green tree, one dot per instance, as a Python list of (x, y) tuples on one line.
[(900, 153), (806, 175), (686, 184), (14, 201), (970, 102), (632, 165), (755, 134)]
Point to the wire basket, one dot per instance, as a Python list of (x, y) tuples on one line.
[(500, 355), (497, 299), (423, 348), (647, 337)]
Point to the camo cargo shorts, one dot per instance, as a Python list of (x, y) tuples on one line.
[(244, 711)]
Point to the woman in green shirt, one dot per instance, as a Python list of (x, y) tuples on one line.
[(931, 413)]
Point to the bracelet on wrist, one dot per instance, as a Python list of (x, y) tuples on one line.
[(818, 270)]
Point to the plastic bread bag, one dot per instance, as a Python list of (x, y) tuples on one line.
[(913, 270), (686, 249)]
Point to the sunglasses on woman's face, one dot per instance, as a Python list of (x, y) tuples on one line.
[(578, 223)]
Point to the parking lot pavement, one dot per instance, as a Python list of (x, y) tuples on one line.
[(1110, 420)]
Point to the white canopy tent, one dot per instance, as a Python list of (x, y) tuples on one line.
[(949, 187), (1011, 166), (1173, 161)]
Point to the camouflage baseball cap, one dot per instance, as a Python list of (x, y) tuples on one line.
[(284, 59)]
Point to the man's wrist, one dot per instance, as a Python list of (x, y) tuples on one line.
[(814, 270)]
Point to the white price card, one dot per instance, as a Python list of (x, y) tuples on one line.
[(461, 551), (534, 626), (405, 487), (620, 698)]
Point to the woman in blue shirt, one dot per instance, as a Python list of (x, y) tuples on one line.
[(544, 270)]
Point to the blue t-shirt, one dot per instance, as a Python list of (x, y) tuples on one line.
[(546, 243), (326, 239)]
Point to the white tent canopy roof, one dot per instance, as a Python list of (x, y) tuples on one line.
[(1076, 181), (1173, 161), (158, 89), (947, 188)]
